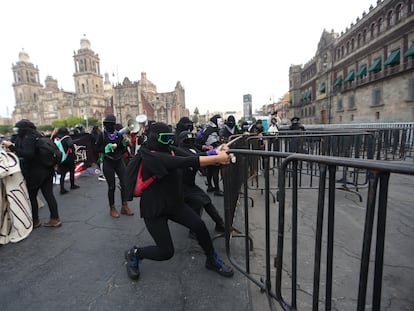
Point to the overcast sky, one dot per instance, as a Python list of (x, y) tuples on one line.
[(218, 49)]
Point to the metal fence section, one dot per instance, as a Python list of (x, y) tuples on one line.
[(290, 281)]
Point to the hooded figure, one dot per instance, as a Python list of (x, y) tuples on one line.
[(229, 129), (112, 145)]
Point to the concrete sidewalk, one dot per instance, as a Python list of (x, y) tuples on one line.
[(80, 266)]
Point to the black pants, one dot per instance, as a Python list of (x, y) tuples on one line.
[(63, 169), (110, 167), (47, 190), (160, 232), (213, 174)]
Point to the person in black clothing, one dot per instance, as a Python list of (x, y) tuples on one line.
[(163, 201), (194, 196), (296, 125), (211, 139), (37, 176), (68, 165), (229, 129), (112, 145)]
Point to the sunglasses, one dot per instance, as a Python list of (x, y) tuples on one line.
[(166, 138)]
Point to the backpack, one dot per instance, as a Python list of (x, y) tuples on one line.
[(140, 184), (49, 154), (58, 143), (134, 184)]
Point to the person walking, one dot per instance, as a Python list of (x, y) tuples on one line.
[(111, 144), (37, 175), (163, 201), (68, 165)]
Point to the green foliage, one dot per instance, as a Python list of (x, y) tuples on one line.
[(73, 120), (195, 118), (6, 129), (58, 123)]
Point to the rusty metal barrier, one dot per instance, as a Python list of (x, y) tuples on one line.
[(287, 288)]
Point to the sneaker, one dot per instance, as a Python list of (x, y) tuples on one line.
[(63, 191), (215, 263), (36, 223), (219, 193), (74, 187), (53, 222), (102, 178), (210, 189), (132, 263)]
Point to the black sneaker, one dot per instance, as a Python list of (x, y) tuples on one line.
[(74, 187), (210, 189), (132, 263), (63, 191), (215, 263)]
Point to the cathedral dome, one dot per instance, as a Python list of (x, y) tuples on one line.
[(24, 57), (85, 44)]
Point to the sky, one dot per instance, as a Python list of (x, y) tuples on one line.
[(219, 50)]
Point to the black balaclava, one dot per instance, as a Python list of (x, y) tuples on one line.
[(185, 124), (231, 122), (62, 131), (215, 118), (109, 123), (153, 131), (25, 126), (185, 140)]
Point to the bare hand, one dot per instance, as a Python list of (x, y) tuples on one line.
[(223, 157)]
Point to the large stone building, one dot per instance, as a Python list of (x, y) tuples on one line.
[(93, 96), (365, 74)]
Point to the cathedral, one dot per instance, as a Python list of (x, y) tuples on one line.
[(94, 95)]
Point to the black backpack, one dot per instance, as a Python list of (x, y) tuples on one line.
[(47, 151)]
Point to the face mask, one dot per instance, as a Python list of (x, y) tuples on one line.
[(273, 122), (110, 128), (230, 124)]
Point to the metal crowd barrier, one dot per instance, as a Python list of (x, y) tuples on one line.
[(276, 283)]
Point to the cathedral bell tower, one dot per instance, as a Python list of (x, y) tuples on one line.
[(27, 89), (88, 82)]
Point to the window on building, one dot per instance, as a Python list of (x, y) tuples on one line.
[(364, 35), (352, 117), (340, 118), (351, 102), (352, 44), (399, 12), (410, 89), (359, 40), (390, 19), (342, 51), (379, 26), (339, 105), (83, 88), (411, 6), (376, 97), (347, 47), (377, 115), (372, 30)]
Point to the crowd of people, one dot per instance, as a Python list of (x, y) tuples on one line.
[(174, 155)]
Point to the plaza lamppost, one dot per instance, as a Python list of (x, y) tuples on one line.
[(118, 89)]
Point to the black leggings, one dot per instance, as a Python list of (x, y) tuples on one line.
[(213, 174), (110, 167), (63, 169), (47, 190), (160, 232)]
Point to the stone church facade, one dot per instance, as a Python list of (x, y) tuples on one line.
[(365, 74), (94, 95)]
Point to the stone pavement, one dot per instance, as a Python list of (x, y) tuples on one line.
[(80, 266)]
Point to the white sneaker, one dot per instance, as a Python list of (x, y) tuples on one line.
[(102, 178)]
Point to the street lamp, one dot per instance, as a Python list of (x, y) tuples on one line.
[(119, 96)]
